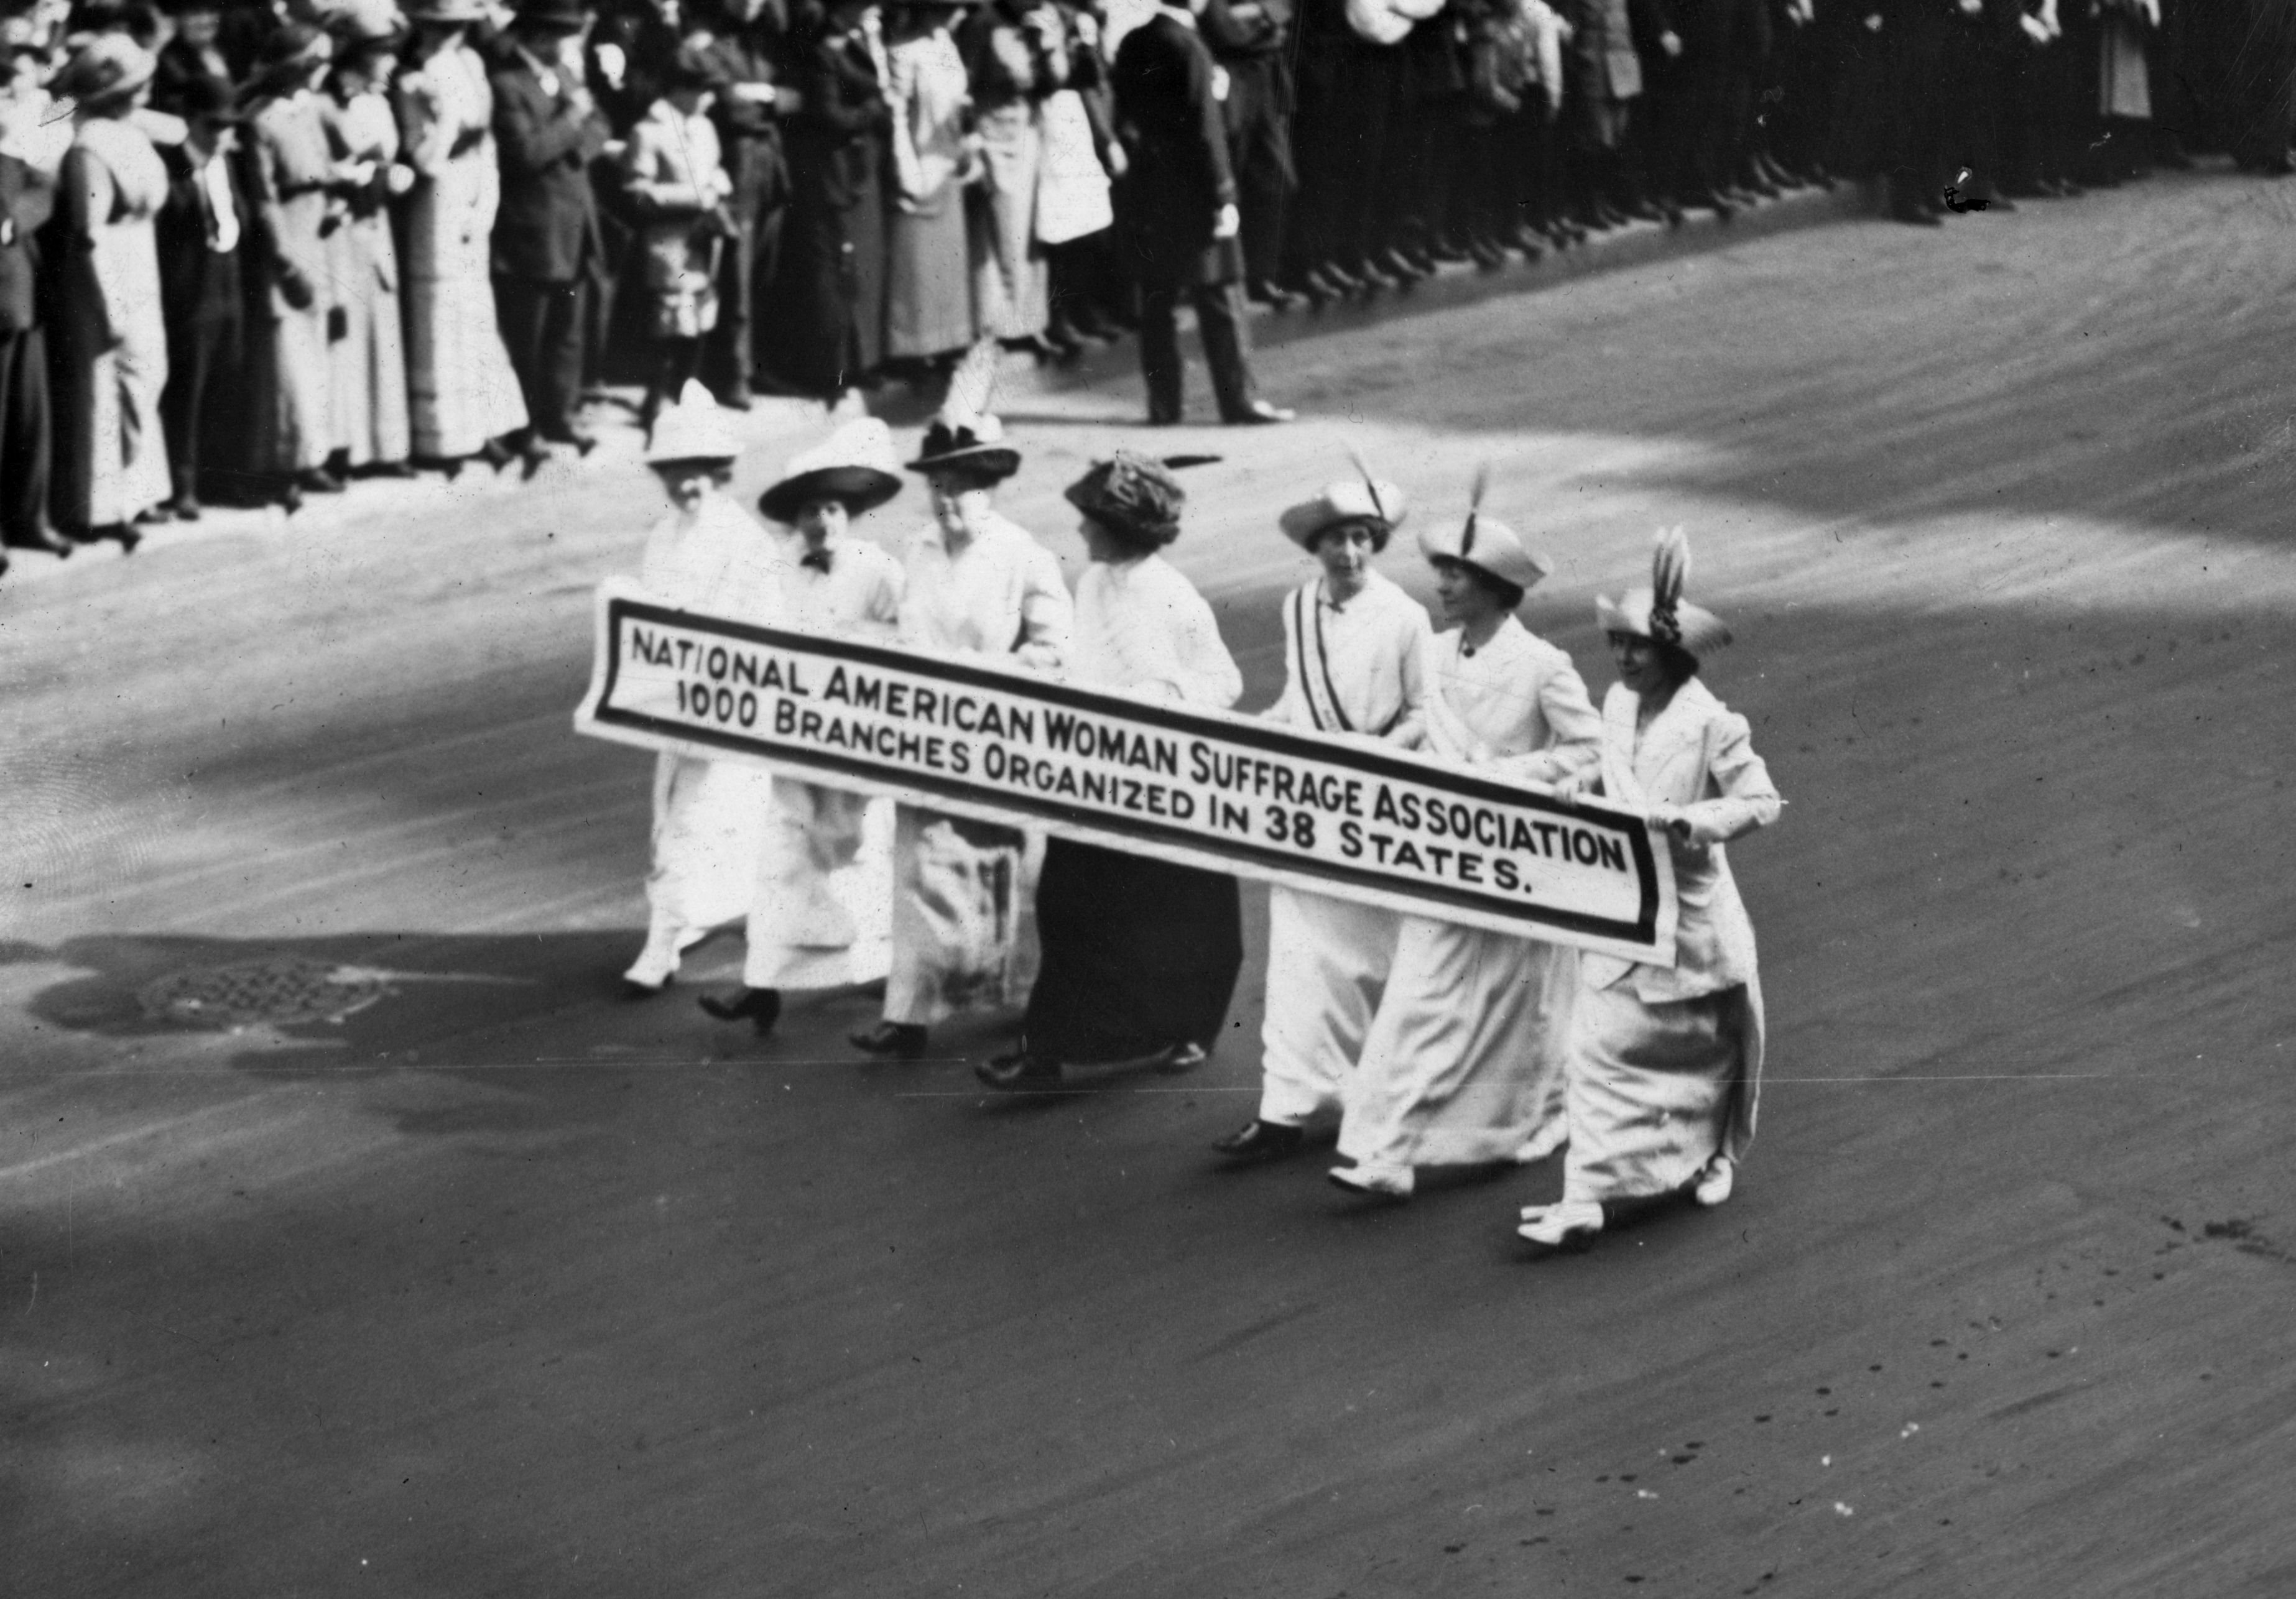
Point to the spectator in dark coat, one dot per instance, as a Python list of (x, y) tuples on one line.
[(201, 291), (1176, 217), (746, 38), (832, 286), (27, 198), (547, 240), (1251, 41)]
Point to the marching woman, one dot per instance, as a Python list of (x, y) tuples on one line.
[(1666, 1065), (1465, 1061), (822, 912), (1140, 956), (706, 555), (1354, 659), (976, 584)]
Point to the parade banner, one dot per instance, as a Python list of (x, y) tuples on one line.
[(1329, 814)]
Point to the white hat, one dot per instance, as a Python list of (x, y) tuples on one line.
[(1488, 545), (693, 430), (1659, 611), (1349, 499), (854, 466)]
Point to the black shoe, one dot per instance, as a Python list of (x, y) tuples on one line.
[(44, 539), (125, 534), (1271, 294), (762, 1006), (737, 397), (634, 990), (1256, 1140), (1018, 1073), (903, 1040), (1401, 269), (1529, 242), (1260, 413), (1487, 254), (495, 453), (1450, 252), (318, 480), (533, 456)]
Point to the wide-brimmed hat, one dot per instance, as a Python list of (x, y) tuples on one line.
[(291, 47), (197, 96), (693, 430), (108, 67), (1362, 499), (1134, 497), (446, 12), (854, 466), (964, 434), (559, 16), (1659, 611), (1489, 546), (367, 26)]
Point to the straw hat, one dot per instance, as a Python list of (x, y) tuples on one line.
[(1489, 545), (1362, 499), (693, 430), (1659, 612), (447, 14), (108, 67), (856, 466)]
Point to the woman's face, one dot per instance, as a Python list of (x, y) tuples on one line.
[(1345, 554), (686, 482), (960, 505), (1465, 600), (1642, 667), (822, 520)]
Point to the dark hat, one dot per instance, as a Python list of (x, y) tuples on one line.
[(854, 466), (1134, 496), (558, 16), (197, 96), (693, 67), (290, 46)]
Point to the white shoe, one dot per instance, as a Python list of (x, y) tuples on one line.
[(1545, 1142), (1560, 1226), (1387, 1182), (657, 963), (1714, 1183)]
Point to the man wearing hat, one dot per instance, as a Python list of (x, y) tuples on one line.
[(200, 289), (1355, 661), (1140, 954), (547, 240), (1465, 1060), (705, 555), (1176, 216), (821, 917), (1667, 1062), (27, 200)]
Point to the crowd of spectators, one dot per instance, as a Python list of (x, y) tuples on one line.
[(247, 250)]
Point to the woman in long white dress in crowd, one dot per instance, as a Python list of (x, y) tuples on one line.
[(1140, 954), (964, 932), (706, 554), (821, 917), (1465, 1062), (1355, 661), (1667, 1063)]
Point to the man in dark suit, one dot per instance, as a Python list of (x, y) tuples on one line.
[(1250, 40), (1176, 218), (201, 293), (546, 241), (27, 197)]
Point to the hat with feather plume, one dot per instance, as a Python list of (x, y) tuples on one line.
[(963, 435), (1659, 611), (1487, 545)]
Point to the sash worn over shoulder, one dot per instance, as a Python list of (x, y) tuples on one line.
[(1313, 666)]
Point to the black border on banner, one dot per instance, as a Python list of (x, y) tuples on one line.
[(1274, 738)]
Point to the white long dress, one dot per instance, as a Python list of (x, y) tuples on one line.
[(1465, 1061), (963, 894), (369, 361), (708, 815), (822, 915), (1666, 1065), (1360, 667), (461, 388)]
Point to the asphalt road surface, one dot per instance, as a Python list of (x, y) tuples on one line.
[(467, 1279)]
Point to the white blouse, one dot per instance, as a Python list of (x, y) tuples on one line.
[(1372, 661), (1141, 628), (1001, 595), (719, 561), (1517, 702), (858, 597)]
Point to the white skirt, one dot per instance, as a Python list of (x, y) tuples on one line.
[(823, 916), (1327, 968), (964, 925), (1656, 1091)]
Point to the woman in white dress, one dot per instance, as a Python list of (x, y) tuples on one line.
[(976, 584), (928, 310), (1667, 1063), (1140, 954), (1355, 662), (707, 554), (368, 355), (822, 915), (1464, 1063), (111, 349), (463, 396)]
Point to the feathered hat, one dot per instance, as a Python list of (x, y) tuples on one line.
[(693, 430), (1659, 611), (965, 434), (1487, 545), (1362, 498), (856, 466)]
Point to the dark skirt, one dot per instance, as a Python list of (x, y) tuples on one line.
[(1138, 955)]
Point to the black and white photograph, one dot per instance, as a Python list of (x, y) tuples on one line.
[(1147, 799)]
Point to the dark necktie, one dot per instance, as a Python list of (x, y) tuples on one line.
[(818, 559)]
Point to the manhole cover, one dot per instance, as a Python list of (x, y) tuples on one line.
[(282, 991)]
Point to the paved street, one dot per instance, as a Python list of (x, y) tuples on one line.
[(476, 1280)]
